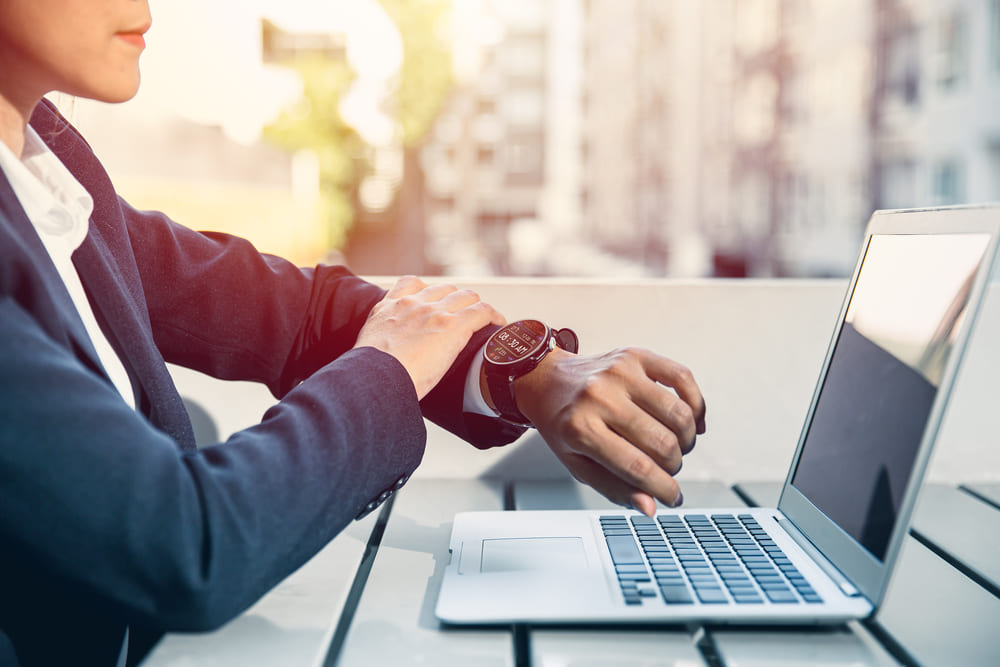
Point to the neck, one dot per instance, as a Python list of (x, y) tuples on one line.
[(14, 118)]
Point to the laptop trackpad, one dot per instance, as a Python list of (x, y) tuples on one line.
[(533, 554)]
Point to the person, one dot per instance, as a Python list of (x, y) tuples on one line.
[(115, 527)]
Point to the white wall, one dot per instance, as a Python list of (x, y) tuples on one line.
[(755, 346)]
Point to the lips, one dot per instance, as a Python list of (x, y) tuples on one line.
[(134, 38)]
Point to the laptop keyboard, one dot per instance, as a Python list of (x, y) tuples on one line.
[(695, 558)]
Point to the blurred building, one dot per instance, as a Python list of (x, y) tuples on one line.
[(484, 163), (937, 135), (502, 164), (764, 132)]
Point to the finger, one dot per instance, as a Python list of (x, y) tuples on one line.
[(459, 299), (631, 465), (666, 410), (432, 293), (478, 315), (680, 378), (405, 286), (613, 488), (663, 444)]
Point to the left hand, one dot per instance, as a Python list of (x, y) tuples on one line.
[(619, 422)]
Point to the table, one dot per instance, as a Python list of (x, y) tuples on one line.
[(368, 598)]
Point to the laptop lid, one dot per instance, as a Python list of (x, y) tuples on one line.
[(886, 379)]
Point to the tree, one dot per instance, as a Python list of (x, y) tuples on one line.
[(425, 78), (315, 123)]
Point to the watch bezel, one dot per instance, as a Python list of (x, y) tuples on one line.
[(545, 346)]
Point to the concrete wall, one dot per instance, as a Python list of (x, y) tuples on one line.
[(756, 348)]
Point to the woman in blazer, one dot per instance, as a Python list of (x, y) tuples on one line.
[(114, 528)]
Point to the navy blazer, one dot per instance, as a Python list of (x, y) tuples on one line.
[(110, 517)]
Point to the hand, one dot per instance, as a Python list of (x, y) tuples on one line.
[(425, 327), (619, 422)]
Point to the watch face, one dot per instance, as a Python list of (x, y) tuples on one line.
[(516, 341)]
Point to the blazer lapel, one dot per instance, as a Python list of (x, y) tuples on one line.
[(50, 300)]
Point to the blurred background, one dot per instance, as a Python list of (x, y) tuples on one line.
[(578, 138)]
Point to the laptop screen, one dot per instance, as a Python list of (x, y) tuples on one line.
[(908, 304)]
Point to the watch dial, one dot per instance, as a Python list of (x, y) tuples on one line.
[(515, 341)]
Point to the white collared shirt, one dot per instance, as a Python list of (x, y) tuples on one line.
[(59, 208)]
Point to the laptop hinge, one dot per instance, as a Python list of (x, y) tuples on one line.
[(843, 583)]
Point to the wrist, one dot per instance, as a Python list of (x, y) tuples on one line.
[(531, 388), (513, 353)]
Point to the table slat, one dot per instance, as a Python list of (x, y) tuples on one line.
[(614, 647), (932, 610), (961, 528), (989, 492), (938, 615), (846, 645), (394, 622), (291, 625)]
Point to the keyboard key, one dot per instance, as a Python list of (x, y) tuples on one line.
[(676, 594), (711, 595), (774, 587), (630, 568), (623, 550), (748, 599), (781, 597)]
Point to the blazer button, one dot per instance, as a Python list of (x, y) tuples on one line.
[(367, 509)]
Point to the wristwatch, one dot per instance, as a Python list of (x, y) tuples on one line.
[(514, 351)]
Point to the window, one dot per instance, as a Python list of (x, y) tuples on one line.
[(947, 187), (951, 50), (903, 65)]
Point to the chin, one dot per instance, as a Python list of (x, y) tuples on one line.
[(111, 90)]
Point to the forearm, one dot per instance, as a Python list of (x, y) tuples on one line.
[(97, 498), (218, 305)]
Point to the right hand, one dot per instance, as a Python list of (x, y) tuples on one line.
[(425, 327)]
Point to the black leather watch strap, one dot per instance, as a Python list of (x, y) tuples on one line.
[(500, 376)]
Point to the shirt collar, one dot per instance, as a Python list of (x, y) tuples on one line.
[(54, 201)]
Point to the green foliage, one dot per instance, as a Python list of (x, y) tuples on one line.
[(314, 123), (426, 76)]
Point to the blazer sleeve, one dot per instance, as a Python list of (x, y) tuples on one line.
[(96, 497), (218, 305)]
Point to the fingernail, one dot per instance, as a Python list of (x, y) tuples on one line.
[(679, 500)]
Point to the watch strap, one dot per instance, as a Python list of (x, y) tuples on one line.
[(501, 386), (500, 380)]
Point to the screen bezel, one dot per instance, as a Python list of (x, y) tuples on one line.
[(864, 570)]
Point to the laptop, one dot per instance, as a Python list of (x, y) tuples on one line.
[(826, 552)]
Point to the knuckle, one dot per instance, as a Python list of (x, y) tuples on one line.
[(682, 415), (576, 426), (684, 375), (438, 319), (665, 443), (638, 468)]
